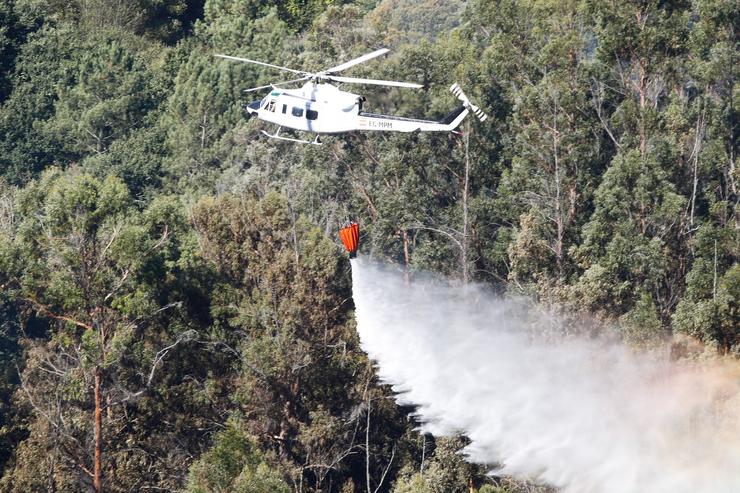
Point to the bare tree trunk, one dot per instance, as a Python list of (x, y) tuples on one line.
[(695, 153), (731, 176), (714, 280), (406, 259), (203, 131), (466, 219), (558, 192), (294, 234), (97, 467), (642, 90), (423, 451), (111, 473), (284, 434), (51, 484), (367, 447)]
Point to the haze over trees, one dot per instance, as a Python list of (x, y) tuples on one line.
[(175, 309)]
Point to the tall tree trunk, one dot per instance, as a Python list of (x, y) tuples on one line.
[(203, 132), (367, 447), (695, 154), (111, 473), (97, 467), (558, 194), (466, 219), (406, 259)]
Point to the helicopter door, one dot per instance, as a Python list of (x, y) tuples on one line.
[(271, 106)]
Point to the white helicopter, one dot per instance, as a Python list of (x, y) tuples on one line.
[(322, 108)]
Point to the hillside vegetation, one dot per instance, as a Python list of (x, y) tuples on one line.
[(175, 307)]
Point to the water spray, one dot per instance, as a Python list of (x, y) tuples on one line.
[(578, 414)]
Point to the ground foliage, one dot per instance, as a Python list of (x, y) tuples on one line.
[(163, 264)]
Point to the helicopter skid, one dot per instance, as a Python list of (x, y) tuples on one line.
[(277, 135)]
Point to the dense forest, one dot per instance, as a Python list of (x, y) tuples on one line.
[(175, 305)]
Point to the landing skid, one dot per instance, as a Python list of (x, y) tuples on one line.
[(277, 135)]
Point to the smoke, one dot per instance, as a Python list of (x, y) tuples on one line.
[(581, 415)]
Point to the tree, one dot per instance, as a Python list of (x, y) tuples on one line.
[(639, 210), (629, 237), (555, 154), (205, 109), (708, 311), (164, 265), (45, 63), (283, 291), (12, 36), (11, 355), (79, 261), (234, 464), (641, 327), (110, 99), (446, 471)]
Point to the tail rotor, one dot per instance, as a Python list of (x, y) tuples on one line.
[(457, 91)]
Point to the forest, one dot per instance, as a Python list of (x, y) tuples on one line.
[(176, 308)]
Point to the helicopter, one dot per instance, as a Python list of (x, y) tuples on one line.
[(321, 107)]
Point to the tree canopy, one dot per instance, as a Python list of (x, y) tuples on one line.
[(175, 308)]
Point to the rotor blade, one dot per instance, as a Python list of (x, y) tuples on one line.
[(354, 80), (228, 57), (276, 84), (257, 88), (356, 61)]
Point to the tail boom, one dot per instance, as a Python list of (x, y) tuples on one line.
[(372, 121)]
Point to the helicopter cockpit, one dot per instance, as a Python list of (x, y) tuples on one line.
[(253, 107)]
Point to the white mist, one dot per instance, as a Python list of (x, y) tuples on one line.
[(578, 414)]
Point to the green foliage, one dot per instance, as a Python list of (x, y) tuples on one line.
[(10, 41), (641, 326), (409, 21), (628, 237), (205, 104), (446, 471), (149, 233), (168, 20), (709, 311), (234, 464), (491, 489), (297, 14), (110, 99), (10, 360), (45, 64)]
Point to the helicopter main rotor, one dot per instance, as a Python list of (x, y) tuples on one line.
[(328, 74)]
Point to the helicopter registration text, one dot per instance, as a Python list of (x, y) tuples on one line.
[(368, 123)]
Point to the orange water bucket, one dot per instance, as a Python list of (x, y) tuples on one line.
[(350, 236)]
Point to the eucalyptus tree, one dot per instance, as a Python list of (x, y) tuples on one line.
[(708, 124), (554, 153), (632, 242)]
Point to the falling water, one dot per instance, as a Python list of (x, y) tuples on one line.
[(579, 414)]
